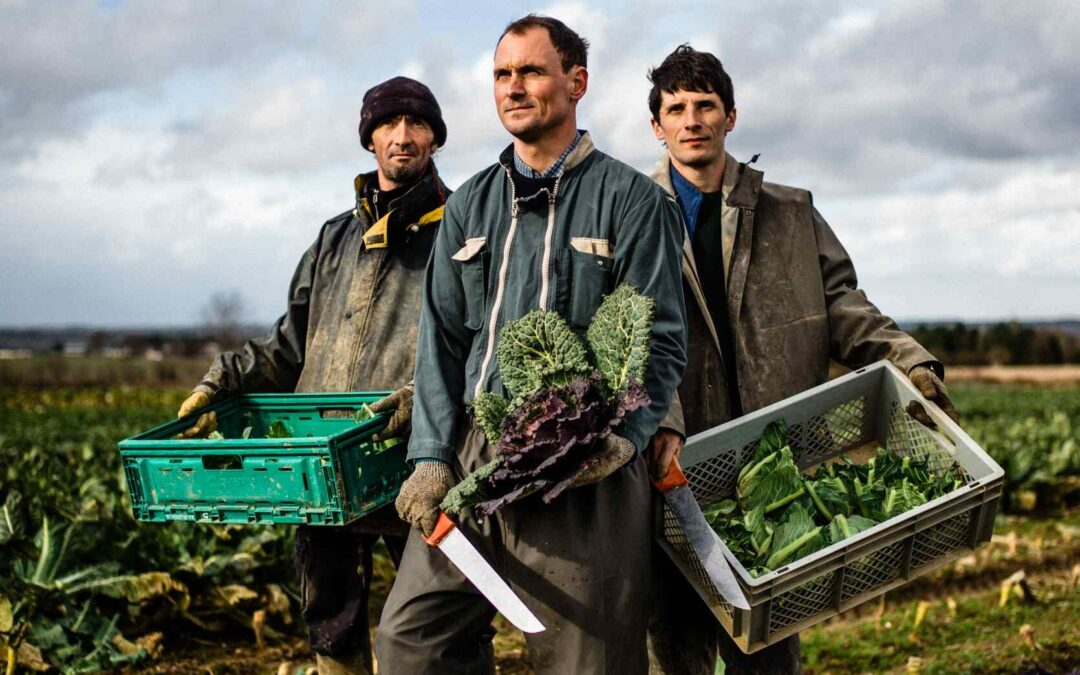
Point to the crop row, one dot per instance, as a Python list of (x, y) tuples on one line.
[(84, 587)]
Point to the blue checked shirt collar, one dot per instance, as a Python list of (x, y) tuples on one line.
[(552, 171)]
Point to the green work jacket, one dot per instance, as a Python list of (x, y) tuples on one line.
[(500, 255)]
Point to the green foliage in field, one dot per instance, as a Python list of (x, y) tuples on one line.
[(71, 588), (1033, 433), (76, 569)]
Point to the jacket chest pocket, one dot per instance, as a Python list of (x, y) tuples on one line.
[(474, 260), (585, 276)]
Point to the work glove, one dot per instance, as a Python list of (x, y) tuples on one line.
[(665, 447), (206, 423), (401, 421), (933, 389), (422, 492), (615, 452)]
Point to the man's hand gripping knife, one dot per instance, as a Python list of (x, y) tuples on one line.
[(206, 423), (422, 492), (665, 448), (933, 389)]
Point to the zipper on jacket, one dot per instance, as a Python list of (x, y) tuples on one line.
[(547, 244), (499, 288)]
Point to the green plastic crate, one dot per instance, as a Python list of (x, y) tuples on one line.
[(329, 473)]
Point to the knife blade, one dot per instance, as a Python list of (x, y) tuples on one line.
[(676, 490), (451, 541)]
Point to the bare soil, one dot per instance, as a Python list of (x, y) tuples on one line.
[(1041, 375)]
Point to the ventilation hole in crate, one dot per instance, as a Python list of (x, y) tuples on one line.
[(713, 479), (674, 535), (135, 489), (873, 570), (907, 437), (941, 539), (799, 603), (222, 463)]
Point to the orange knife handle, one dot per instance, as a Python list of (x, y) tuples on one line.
[(442, 528), (674, 478)]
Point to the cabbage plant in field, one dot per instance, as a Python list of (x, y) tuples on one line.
[(565, 395), (83, 586)]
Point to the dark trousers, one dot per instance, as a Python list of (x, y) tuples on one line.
[(581, 564), (335, 569), (685, 638)]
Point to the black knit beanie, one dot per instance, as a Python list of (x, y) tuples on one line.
[(400, 96)]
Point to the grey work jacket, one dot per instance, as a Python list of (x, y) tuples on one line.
[(354, 304), (499, 256), (794, 303)]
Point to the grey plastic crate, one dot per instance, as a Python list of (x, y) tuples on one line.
[(859, 409)]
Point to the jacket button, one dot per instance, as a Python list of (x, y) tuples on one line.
[(348, 315), (749, 212)]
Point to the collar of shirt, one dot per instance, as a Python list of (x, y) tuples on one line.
[(552, 171), (689, 198)]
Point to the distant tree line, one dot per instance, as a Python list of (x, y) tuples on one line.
[(1005, 343)]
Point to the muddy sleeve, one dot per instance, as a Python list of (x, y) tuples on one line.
[(271, 363), (673, 420), (442, 346), (648, 255), (859, 333)]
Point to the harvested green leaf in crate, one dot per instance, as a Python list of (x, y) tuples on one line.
[(780, 515)]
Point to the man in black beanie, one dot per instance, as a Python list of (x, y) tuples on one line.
[(350, 325)]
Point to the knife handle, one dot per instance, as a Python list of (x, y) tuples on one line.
[(442, 528), (674, 478)]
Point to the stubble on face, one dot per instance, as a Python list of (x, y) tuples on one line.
[(403, 158), (693, 125), (531, 88)]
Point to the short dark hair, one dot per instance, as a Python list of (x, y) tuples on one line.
[(572, 48), (690, 70)]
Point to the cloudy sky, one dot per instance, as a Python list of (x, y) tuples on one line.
[(153, 153)]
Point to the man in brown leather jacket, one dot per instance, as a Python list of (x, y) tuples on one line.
[(351, 325), (771, 298)]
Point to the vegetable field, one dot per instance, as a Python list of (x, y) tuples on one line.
[(83, 587)]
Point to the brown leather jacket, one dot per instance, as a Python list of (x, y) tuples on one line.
[(794, 304), (354, 304)]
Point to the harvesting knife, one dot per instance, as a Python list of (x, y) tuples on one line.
[(676, 491), (449, 539)]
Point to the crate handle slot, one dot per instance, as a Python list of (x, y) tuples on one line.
[(222, 462), (339, 413)]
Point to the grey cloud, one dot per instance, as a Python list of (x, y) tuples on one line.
[(56, 58), (976, 81)]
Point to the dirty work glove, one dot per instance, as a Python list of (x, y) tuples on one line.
[(615, 451), (206, 423), (666, 446), (422, 492), (932, 388), (401, 421)]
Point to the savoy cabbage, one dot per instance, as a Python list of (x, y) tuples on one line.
[(565, 395)]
